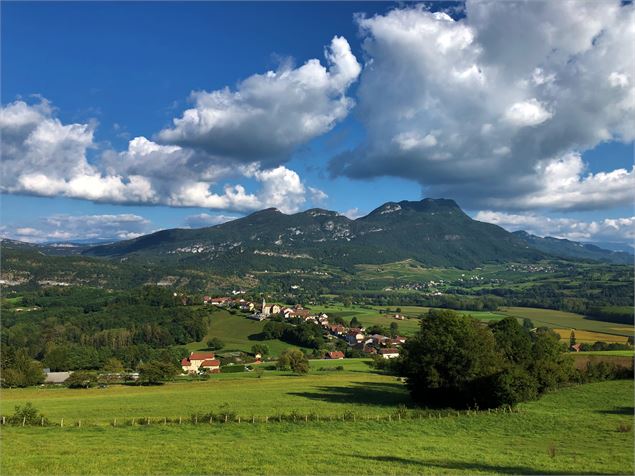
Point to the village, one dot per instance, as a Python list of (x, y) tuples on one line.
[(356, 338)]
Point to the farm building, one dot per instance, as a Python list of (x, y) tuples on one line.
[(335, 355), (389, 353), (200, 361)]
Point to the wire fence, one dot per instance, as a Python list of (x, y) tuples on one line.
[(226, 418)]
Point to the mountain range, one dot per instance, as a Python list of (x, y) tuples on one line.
[(435, 232)]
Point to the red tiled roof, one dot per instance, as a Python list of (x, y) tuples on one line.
[(210, 363), (201, 355), (389, 351), (336, 355), (185, 362)]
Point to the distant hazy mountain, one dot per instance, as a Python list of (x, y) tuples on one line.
[(572, 249), (434, 232), (614, 246)]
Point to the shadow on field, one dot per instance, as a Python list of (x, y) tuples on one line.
[(619, 411), (465, 466), (368, 393)]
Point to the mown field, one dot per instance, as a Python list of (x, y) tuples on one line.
[(587, 330), (357, 388), (572, 431), (238, 333), (568, 320)]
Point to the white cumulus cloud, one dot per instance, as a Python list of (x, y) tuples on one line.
[(270, 114), (484, 107)]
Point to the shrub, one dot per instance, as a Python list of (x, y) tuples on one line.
[(81, 379), (294, 360), (215, 344), (27, 414), (624, 427), (156, 372)]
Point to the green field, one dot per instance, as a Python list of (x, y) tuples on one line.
[(618, 353), (237, 333), (560, 319), (572, 431), (334, 392)]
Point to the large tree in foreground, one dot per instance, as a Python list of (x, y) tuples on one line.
[(450, 360), (457, 361)]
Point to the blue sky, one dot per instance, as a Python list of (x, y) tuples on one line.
[(127, 70)]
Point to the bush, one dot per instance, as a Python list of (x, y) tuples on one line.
[(215, 344), (156, 372), (294, 360), (81, 379), (28, 415)]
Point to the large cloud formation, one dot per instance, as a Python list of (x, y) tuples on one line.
[(242, 135), (496, 107), (608, 229), (270, 114)]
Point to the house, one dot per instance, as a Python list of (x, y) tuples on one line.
[(379, 339), (389, 353), (335, 355), (337, 329), (354, 336), (257, 316), (396, 341), (269, 310), (200, 360), (217, 301), (56, 377), (247, 306), (369, 350), (575, 348), (210, 365)]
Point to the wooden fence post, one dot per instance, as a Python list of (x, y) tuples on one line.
[(62, 423), (179, 420), (42, 421), (238, 419), (210, 419), (79, 423), (266, 419), (133, 421), (389, 417), (23, 421), (114, 423)]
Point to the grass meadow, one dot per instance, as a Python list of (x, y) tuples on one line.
[(237, 333), (577, 430)]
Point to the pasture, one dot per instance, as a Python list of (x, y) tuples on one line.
[(572, 431), (237, 332), (332, 392)]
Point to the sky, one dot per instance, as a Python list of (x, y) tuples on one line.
[(121, 118)]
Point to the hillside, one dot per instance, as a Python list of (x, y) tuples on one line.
[(563, 248), (434, 232)]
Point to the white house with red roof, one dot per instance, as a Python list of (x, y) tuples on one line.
[(390, 353), (200, 361)]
